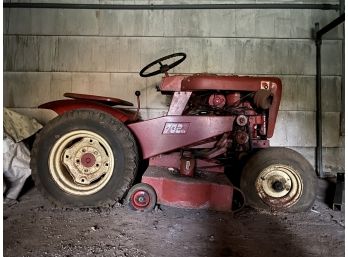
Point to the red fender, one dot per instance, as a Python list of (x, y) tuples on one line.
[(61, 106)]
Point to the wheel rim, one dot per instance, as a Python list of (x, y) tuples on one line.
[(140, 199), (279, 186), (81, 162)]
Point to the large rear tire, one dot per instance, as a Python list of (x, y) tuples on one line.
[(279, 179), (84, 158)]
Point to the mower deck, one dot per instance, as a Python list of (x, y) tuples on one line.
[(204, 191)]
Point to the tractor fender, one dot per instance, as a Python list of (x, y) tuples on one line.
[(61, 106)]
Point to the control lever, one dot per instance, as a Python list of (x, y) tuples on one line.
[(137, 93)]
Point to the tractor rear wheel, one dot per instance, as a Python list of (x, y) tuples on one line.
[(279, 179), (84, 158)]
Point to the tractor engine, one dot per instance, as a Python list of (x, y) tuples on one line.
[(250, 109)]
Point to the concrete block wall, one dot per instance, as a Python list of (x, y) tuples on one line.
[(51, 51)]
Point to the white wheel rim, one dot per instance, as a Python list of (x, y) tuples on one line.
[(279, 186), (70, 151)]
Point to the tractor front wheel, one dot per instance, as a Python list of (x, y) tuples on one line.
[(279, 179)]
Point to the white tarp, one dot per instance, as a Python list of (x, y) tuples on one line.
[(16, 166), (16, 156)]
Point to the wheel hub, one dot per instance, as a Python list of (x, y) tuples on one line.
[(86, 161), (279, 186), (140, 199)]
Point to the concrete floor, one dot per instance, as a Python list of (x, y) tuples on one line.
[(32, 227)]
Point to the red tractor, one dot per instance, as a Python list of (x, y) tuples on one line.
[(89, 154)]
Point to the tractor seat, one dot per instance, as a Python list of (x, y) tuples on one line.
[(100, 99)]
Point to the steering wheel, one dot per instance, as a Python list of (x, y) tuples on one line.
[(163, 67)]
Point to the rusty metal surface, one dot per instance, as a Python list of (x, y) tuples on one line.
[(61, 106), (178, 103), (279, 186), (217, 100), (155, 137), (201, 82), (209, 191), (187, 166), (233, 98), (172, 83), (260, 143), (172, 160)]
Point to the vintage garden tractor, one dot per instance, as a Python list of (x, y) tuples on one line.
[(89, 154)]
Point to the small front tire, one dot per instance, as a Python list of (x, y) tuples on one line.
[(279, 179)]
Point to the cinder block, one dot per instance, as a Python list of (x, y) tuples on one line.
[(155, 100), (118, 85), (213, 55), (306, 152), (258, 23), (181, 23), (331, 129), (53, 22), (61, 82), (131, 23), (331, 94), (26, 89), (123, 86), (6, 20), (294, 129), (91, 83), (21, 53), (216, 55), (298, 93), (121, 23), (298, 129), (333, 158), (331, 57), (81, 54), (48, 52), (153, 48), (187, 23), (19, 26), (302, 23), (219, 55), (269, 56), (193, 47), (298, 57), (200, 23)]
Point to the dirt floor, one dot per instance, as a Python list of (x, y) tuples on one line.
[(32, 227)]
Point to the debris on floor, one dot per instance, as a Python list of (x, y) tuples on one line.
[(33, 227)]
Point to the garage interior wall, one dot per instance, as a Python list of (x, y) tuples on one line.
[(51, 51)]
